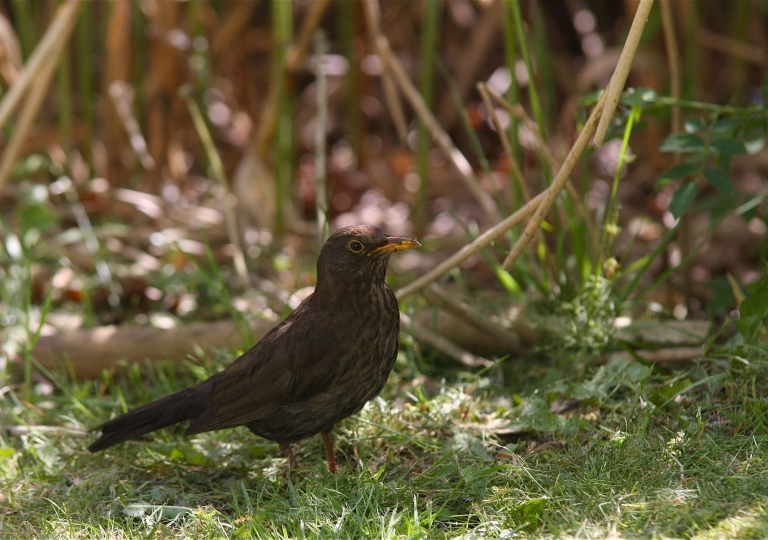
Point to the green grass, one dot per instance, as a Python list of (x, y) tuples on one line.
[(641, 453)]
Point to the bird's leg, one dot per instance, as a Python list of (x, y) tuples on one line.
[(329, 452), (289, 454)]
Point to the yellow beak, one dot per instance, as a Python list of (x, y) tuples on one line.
[(396, 243)]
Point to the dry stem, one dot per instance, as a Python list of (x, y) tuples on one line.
[(39, 68), (551, 193), (419, 333), (372, 18), (455, 156), (621, 73)]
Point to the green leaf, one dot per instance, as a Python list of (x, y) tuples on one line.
[(757, 301), (466, 444), (679, 171), (619, 371), (662, 395), (682, 199), (680, 143), (754, 310), (727, 125), (754, 138), (533, 415), (37, 216), (720, 180), (639, 97), (695, 125), (753, 146), (188, 455), (728, 145), (530, 512)]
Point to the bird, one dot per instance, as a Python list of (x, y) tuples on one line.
[(322, 364)]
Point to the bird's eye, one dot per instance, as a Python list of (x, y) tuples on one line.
[(355, 246)]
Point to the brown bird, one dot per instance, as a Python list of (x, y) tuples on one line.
[(320, 365)]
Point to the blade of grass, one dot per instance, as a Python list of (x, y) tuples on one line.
[(513, 94), (24, 22), (321, 195), (217, 284), (282, 32), (611, 224), (86, 78), (533, 94), (353, 126), (217, 168), (428, 55)]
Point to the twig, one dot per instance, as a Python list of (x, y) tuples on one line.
[(372, 17), (217, 168), (492, 234), (122, 95), (519, 113), (551, 193), (28, 113), (486, 93), (675, 76), (409, 326), (298, 50), (673, 58), (442, 139), (495, 232), (678, 354), (621, 73), (437, 296), (264, 137), (19, 431), (731, 46), (11, 63)]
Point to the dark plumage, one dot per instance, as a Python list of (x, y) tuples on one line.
[(319, 366)]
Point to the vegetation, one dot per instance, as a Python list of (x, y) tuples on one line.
[(596, 369)]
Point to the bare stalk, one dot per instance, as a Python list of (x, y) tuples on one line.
[(551, 193), (40, 67), (440, 343), (442, 139), (621, 73)]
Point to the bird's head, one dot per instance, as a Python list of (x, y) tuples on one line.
[(358, 254)]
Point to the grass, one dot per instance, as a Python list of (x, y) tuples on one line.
[(629, 451), (572, 443)]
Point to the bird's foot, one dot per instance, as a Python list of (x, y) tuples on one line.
[(289, 454), (332, 467)]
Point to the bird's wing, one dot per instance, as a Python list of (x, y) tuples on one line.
[(293, 362)]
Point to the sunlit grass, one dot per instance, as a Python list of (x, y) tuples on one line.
[(427, 459)]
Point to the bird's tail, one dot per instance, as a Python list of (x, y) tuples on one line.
[(184, 405)]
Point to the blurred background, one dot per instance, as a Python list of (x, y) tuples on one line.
[(169, 170), (167, 162)]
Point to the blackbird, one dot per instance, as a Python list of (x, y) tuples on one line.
[(320, 365)]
